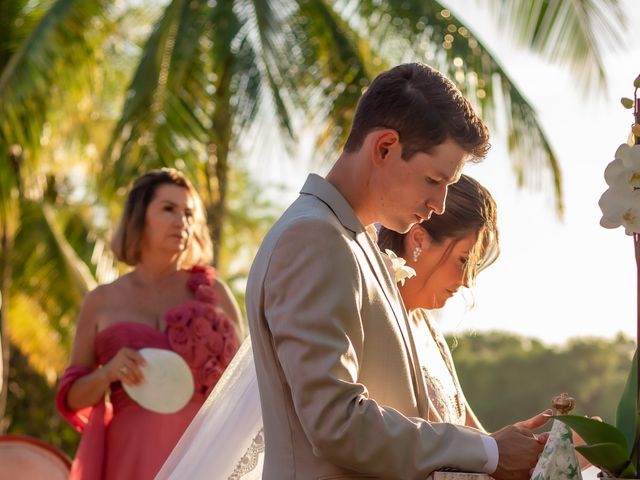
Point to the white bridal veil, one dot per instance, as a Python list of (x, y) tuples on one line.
[(225, 440)]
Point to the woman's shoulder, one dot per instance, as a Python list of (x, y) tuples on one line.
[(105, 290), (103, 295), (94, 304), (222, 289)]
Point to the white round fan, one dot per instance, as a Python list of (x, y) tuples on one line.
[(168, 383)]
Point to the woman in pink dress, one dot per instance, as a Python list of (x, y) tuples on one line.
[(169, 300)]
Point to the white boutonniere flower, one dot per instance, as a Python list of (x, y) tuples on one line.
[(397, 265)]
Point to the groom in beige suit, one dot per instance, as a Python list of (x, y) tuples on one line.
[(340, 380)]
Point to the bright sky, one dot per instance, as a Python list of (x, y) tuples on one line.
[(558, 279), (554, 279)]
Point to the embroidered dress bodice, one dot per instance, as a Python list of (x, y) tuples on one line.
[(442, 383)]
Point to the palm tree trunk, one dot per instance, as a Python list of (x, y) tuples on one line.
[(6, 247), (218, 160), (7, 235)]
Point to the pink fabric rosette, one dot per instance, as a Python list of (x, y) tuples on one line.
[(214, 342), (200, 275), (201, 332), (230, 349), (178, 317), (205, 293), (205, 310), (199, 354), (179, 339)]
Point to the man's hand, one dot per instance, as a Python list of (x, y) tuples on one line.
[(519, 448), (535, 422)]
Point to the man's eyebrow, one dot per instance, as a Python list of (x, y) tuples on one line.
[(442, 177)]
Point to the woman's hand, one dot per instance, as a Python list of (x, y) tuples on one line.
[(125, 367)]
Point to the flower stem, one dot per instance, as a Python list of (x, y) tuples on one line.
[(636, 242)]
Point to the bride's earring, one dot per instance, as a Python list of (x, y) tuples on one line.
[(416, 253)]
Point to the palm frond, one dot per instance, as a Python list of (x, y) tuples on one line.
[(432, 32), (18, 18), (342, 65), (165, 116), (142, 114), (78, 271), (52, 272), (34, 335), (574, 32), (58, 56)]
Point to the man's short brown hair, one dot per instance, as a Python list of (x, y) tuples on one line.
[(127, 240), (424, 107)]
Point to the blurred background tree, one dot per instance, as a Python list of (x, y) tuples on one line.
[(507, 378), (94, 93)]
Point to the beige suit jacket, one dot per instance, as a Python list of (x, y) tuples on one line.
[(340, 383)]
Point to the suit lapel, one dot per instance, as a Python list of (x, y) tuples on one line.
[(327, 193), (391, 293)]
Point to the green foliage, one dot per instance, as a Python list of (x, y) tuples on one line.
[(31, 406), (611, 457), (608, 447), (596, 432), (591, 370), (627, 415)]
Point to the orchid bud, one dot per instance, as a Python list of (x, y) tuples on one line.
[(636, 82), (635, 129), (626, 102)]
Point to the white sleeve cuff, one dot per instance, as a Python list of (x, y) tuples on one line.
[(491, 449)]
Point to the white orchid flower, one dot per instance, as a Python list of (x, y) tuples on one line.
[(620, 204), (630, 156), (625, 169), (398, 266), (616, 174), (621, 207)]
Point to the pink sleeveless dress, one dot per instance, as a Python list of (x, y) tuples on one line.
[(123, 440)]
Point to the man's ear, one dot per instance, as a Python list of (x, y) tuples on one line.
[(385, 142)]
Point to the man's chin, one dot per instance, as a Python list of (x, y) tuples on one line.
[(401, 228)]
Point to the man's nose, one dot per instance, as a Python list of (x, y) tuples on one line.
[(437, 203)]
